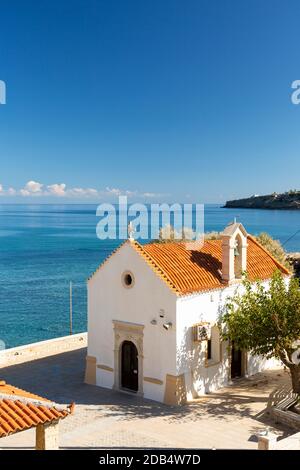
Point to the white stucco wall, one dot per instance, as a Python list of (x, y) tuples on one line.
[(191, 355), (109, 300), (202, 377), (259, 364)]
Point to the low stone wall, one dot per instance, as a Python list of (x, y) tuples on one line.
[(270, 442), (33, 351), (289, 443)]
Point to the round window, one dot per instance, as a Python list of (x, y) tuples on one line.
[(128, 279)]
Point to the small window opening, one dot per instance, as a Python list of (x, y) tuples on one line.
[(128, 279), (209, 356)]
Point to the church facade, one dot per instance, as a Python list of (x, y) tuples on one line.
[(153, 316)]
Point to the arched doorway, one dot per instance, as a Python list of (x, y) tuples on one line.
[(129, 366)]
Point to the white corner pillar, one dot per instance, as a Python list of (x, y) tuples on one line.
[(267, 442), (228, 274), (47, 436)]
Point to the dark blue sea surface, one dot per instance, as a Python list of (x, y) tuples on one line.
[(44, 247)]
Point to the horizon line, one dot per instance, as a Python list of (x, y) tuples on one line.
[(94, 203)]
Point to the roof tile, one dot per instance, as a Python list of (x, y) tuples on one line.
[(187, 271), (22, 410)]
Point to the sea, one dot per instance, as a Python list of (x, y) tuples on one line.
[(45, 247)]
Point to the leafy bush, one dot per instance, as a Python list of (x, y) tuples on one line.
[(265, 320), (274, 247)]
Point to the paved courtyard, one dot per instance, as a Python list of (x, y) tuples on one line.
[(229, 418)]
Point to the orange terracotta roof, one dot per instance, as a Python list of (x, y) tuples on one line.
[(186, 271), (21, 410)]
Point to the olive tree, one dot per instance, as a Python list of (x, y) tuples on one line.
[(265, 320), (274, 247)]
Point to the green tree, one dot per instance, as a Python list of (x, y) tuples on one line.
[(169, 234), (266, 321), (212, 236), (274, 247)]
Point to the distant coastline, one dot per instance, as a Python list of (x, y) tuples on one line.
[(285, 201)]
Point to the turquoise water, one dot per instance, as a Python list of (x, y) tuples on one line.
[(44, 247)]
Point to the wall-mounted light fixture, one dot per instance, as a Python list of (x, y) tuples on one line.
[(153, 322), (161, 313), (167, 325)]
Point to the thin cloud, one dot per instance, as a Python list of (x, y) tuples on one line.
[(7, 192), (59, 190), (154, 195), (32, 188), (82, 192), (120, 192)]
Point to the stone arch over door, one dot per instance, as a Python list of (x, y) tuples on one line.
[(133, 332)]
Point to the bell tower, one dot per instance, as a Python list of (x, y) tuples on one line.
[(234, 252)]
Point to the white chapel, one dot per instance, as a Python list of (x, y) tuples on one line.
[(153, 316)]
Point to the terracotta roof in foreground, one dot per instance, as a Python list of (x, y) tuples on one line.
[(21, 410), (187, 271)]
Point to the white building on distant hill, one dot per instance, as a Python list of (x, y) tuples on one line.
[(152, 316)]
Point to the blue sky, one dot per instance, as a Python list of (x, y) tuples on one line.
[(170, 100)]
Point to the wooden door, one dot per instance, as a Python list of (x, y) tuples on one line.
[(129, 366)]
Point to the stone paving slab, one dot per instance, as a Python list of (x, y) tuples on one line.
[(229, 418)]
